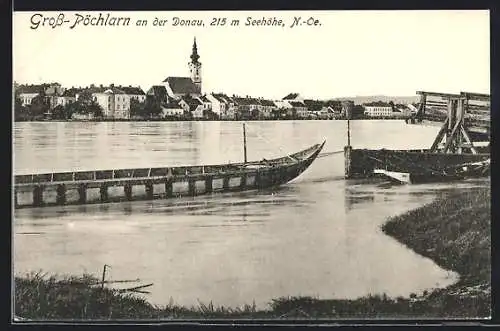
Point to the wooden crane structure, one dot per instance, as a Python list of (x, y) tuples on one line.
[(466, 120)]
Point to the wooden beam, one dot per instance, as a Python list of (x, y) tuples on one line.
[(469, 141), (456, 117), (439, 136), (438, 94), (451, 137), (476, 96)]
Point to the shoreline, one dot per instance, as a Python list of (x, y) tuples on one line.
[(453, 231)]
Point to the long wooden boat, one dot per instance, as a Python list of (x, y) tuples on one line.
[(102, 186)]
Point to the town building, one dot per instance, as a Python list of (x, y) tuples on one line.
[(334, 108), (68, 97), (326, 113), (378, 109), (135, 93), (158, 94), (207, 104), (114, 101), (178, 87), (49, 92), (298, 109), (266, 108), (192, 106), (223, 105), (28, 92), (172, 110), (314, 108), (218, 102), (247, 107)]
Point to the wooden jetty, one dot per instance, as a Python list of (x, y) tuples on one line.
[(462, 138), (103, 186)]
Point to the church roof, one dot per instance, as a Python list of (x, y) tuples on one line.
[(291, 96), (182, 85)]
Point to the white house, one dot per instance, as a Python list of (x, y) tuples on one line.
[(172, 110), (28, 92), (114, 102), (207, 104), (223, 105), (68, 97), (218, 103), (378, 109), (26, 98)]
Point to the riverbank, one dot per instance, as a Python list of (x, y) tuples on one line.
[(454, 231), (211, 120)]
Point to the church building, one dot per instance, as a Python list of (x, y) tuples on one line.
[(178, 87)]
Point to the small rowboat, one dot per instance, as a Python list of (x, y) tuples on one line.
[(102, 186)]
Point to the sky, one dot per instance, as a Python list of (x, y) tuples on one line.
[(349, 53)]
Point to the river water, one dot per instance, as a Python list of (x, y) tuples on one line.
[(318, 236)]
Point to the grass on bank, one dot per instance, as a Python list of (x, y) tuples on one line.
[(454, 231)]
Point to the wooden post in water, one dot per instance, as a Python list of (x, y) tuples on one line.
[(61, 194), (82, 192), (149, 190), (348, 149), (38, 196), (244, 143), (348, 132)]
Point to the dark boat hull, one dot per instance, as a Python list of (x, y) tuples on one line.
[(433, 178), (416, 178), (360, 163), (91, 187)]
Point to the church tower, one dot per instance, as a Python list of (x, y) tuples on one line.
[(195, 66)]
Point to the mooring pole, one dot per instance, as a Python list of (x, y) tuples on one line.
[(348, 149), (244, 143), (104, 275), (348, 132)]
